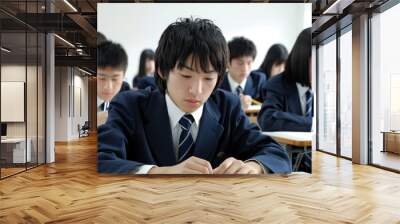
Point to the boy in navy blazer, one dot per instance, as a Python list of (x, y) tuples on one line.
[(112, 63), (239, 79), (186, 125)]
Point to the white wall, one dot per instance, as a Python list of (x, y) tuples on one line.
[(16, 73), (61, 103), (139, 26), (67, 115), (80, 102)]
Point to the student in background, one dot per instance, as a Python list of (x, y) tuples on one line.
[(274, 61), (239, 79), (146, 70), (124, 87), (288, 104), (288, 101), (147, 82), (187, 125), (112, 62)]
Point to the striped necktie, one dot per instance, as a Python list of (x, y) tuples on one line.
[(309, 103), (105, 105), (185, 139), (239, 90)]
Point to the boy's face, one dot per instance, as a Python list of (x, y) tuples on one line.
[(190, 87), (240, 68), (109, 81)]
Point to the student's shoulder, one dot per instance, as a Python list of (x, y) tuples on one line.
[(258, 75), (124, 87), (146, 81), (224, 98), (276, 84)]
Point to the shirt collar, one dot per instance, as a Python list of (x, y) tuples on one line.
[(233, 84), (100, 101), (302, 89), (175, 114)]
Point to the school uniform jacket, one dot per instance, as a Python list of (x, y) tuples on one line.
[(281, 110), (138, 132), (148, 81)]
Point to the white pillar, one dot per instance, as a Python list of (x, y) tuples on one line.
[(50, 99)]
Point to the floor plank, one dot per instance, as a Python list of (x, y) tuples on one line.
[(71, 191)]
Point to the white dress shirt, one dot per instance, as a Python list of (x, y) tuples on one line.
[(302, 95), (233, 84), (175, 114)]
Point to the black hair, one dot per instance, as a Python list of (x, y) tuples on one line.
[(146, 54), (240, 47), (100, 38), (124, 87), (297, 67), (199, 38), (276, 55), (110, 54)]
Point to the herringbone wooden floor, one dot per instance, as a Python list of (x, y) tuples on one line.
[(71, 191)]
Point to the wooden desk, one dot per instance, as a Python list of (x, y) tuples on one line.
[(391, 141), (253, 109), (13, 150), (297, 139), (252, 112)]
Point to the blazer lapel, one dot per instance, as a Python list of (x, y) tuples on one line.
[(101, 107), (158, 130), (248, 89), (225, 83), (294, 99), (209, 132)]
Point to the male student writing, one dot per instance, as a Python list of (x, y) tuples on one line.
[(240, 79), (187, 125)]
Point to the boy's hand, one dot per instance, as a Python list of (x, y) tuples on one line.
[(192, 165), (245, 100), (235, 166), (101, 117)]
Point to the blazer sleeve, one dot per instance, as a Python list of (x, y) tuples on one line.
[(251, 144), (113, 138), (259, 87), (273, 116)]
